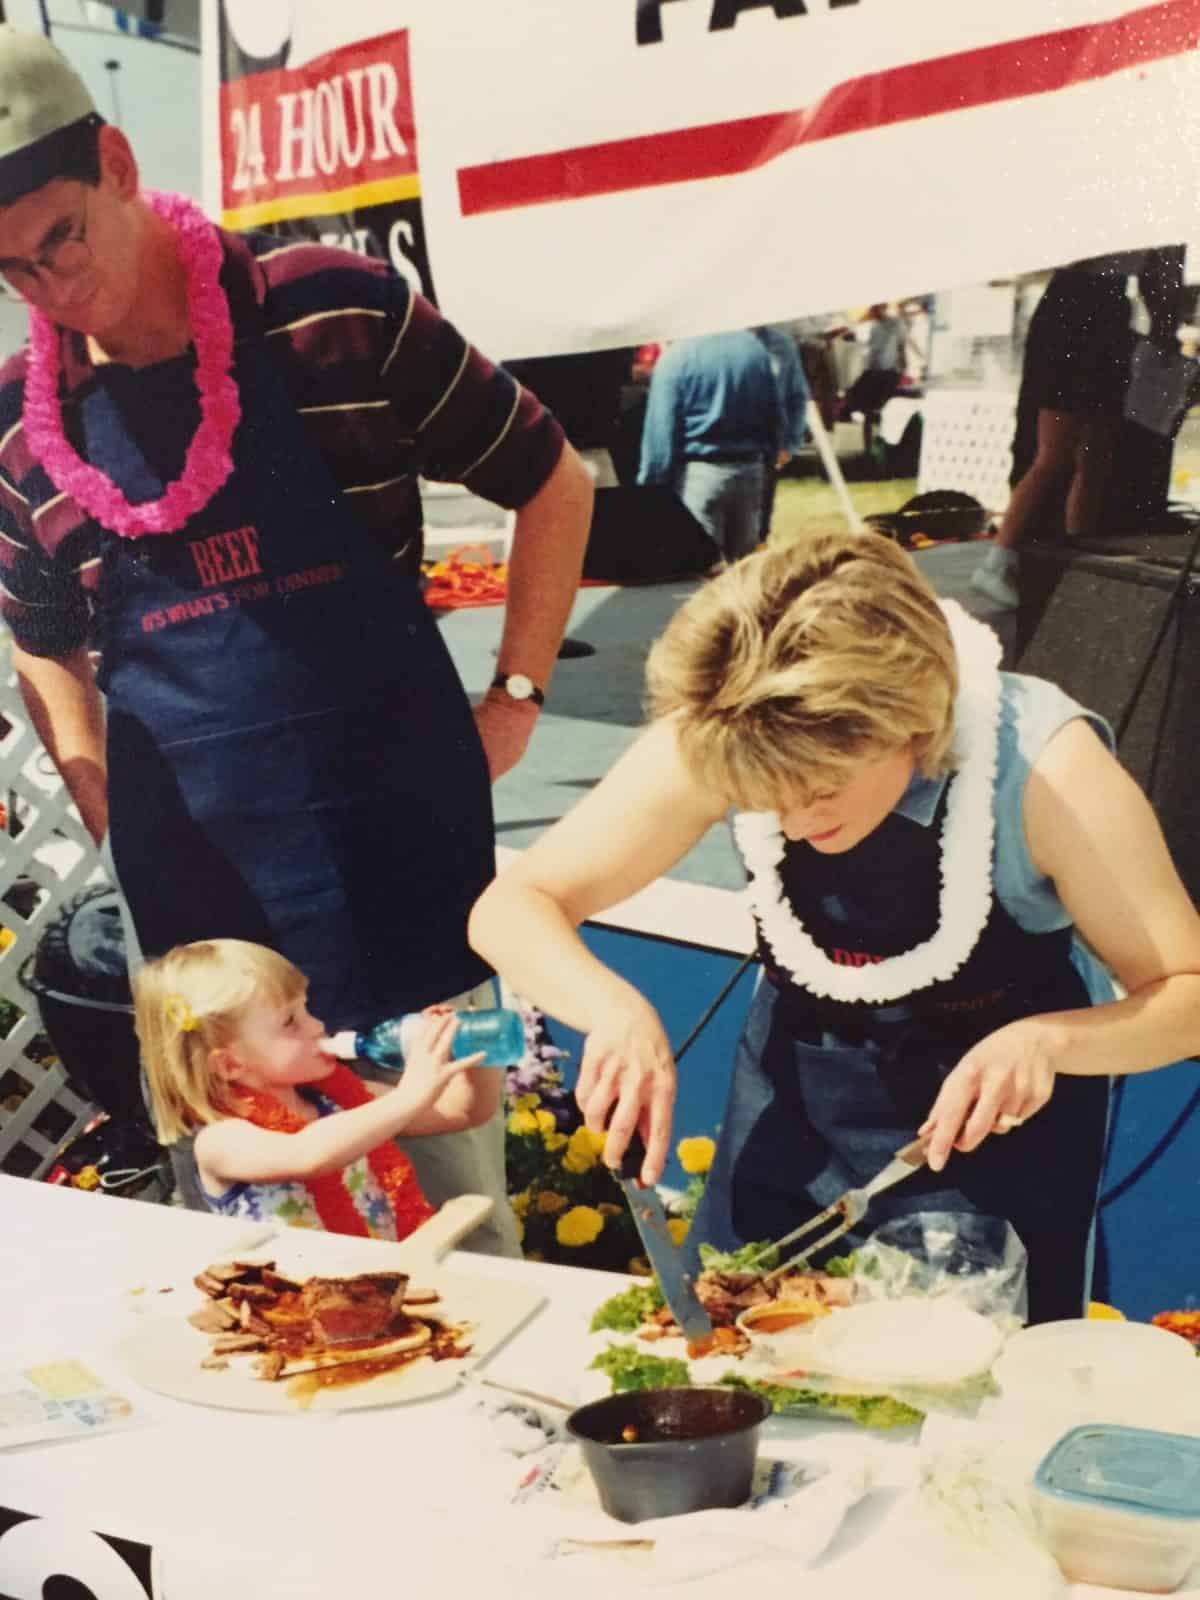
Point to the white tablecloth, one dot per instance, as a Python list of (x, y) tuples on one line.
[(285, 1506)]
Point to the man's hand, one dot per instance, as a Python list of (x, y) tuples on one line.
[(627, 1082), (504, 727), (998, 1084)]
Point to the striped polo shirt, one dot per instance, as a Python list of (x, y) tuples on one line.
[(387, 388)]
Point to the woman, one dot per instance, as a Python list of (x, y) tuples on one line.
[(925, 837), (1073, 384)]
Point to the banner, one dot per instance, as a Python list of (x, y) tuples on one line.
[(580, 176), (314, 133)]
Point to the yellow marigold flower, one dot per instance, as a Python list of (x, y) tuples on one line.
[(522, 1122), (639, 1267), (696, 1155), (545, 1121), (677, 1227), (1104, 1313), (526, 1102), (596, 1140), (520, 1202), (554, 1141), (581, 1155), (579, 1226), (608, 1209), (550, 1202)]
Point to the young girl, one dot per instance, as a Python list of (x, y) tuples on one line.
[(281, 1129)]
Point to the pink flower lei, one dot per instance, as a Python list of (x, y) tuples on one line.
[(208, 462)]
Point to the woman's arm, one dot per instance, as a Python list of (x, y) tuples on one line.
[(1091, 830), (644, 815)]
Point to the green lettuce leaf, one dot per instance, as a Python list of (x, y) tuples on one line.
[(624, 1312), (869, 1410), (628, 1368)]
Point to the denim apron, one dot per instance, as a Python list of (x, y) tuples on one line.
[(292, 757), (824, 1092)]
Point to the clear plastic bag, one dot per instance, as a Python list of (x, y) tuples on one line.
[(974, 1266), (976, 1260)]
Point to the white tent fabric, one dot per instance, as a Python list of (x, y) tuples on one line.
[(613, 170)]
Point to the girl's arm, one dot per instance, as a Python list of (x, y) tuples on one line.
[(236, 1151), (1090, 829), (466, 1102), (643, 816)]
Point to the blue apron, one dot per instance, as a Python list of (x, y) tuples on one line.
[(824, 1093), (292, 758)]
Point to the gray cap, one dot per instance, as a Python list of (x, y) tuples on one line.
[(44, 107)]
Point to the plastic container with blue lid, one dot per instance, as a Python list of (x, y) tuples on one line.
[(1121, 1506)]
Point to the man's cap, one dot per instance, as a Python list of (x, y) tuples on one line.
[(45, 112)]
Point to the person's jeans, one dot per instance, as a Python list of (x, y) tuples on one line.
[(726, 500)]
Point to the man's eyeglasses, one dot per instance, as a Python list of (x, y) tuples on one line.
[(65, 253)]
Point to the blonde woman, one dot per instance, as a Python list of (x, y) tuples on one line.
[(279, 1128), (928, 840)]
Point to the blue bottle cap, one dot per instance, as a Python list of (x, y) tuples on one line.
[(1125, 1469)]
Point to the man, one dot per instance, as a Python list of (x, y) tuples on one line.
[(784, 357), (883, 367), (713, 419), (208, 475)]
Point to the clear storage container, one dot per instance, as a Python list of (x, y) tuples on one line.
[(1121, 1506)]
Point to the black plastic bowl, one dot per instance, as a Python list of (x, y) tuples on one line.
[(661, 1452)]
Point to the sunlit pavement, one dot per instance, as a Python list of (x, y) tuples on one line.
[(594, 706)]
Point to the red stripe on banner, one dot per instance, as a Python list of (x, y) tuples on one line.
[(1010, 71)]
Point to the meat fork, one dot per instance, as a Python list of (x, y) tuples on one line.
[(848, 1209)]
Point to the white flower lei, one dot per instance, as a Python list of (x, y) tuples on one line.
[(966, 851)]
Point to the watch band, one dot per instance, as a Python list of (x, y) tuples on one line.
[(519, 687)]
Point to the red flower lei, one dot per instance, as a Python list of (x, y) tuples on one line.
[(208, 462), (392, 1169)]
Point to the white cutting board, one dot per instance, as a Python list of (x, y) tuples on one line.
[(164, 1351)]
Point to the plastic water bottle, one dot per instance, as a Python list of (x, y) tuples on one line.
[(499, 1033)]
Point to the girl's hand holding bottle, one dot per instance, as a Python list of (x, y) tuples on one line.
[(429, 1065)]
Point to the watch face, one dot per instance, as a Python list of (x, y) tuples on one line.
[(519, 686)]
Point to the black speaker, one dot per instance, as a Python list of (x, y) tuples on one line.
[(1092, 622), (646, 535)]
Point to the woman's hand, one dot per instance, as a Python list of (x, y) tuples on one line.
[(627, 1084), (1000, 1082)]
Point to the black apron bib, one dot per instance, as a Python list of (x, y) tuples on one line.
[(824, 1093), (292, 757)]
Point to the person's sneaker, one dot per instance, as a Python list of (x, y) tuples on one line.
[(996, 580)]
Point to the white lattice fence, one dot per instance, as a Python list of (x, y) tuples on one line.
[(966, 443), (46, 856)]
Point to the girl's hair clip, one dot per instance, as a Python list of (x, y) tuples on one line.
[(180, 1013)]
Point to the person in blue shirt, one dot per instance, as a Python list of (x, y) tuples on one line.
[(714, 418), (784, 356)]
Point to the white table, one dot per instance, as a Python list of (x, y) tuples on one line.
[(395, 1494)]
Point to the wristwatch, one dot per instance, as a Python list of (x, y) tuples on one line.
[(518, 687)]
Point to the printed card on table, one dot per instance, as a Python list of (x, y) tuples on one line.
[(60, 1399)]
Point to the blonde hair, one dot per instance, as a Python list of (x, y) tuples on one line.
[(797, 664), (191, 1002)]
